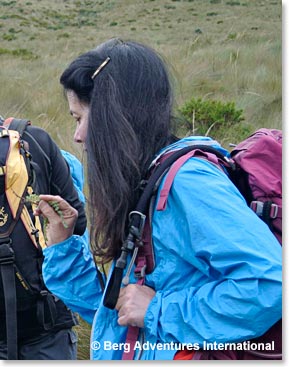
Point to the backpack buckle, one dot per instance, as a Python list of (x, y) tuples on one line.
[(274, 211), (43, 293), (258, 208), (137, 227), (140, 269), (4, 133)]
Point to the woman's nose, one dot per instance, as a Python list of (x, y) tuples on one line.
[(78, 136)]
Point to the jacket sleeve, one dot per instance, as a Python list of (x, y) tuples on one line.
[(233, 290), (69, 272)]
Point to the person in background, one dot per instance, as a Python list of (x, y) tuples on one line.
[(53, 337), (218, 267)]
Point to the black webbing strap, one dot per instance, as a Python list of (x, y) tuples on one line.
[(136, 217), (8, 280), (46, 310), (19, 125)]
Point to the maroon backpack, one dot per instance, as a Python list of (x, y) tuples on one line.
[(258, 175), (255, 167)]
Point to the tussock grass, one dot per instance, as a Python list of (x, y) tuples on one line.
[(229, 51)]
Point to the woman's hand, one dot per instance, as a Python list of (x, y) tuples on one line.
[(59, 227), (132, 304)]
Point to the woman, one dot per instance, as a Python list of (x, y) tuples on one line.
[(217, 276)]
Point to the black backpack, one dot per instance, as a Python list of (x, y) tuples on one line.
[(21, 238)]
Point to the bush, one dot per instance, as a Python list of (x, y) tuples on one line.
[(212, 118)]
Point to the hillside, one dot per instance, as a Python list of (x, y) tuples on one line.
[(217, 49)]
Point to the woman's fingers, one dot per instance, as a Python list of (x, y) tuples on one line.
[(61, 217)]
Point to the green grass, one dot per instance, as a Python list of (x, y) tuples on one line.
[(217, 49), (83, 334)]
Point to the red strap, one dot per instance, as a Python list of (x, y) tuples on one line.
[(162, 203), (8, 121), (184, 355), (133, 332), (131, 338)]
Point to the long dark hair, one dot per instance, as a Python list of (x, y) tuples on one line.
[(129, 122)]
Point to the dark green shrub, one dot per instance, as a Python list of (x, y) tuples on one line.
[(212, 118), (9, 37), (233, 3)]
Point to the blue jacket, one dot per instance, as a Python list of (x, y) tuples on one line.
[(218, 274)]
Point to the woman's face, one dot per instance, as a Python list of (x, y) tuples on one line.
[(79, 111)]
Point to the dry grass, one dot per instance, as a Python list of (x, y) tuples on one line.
[(218, 49)]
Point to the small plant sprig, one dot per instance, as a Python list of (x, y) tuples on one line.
[(34, 199)]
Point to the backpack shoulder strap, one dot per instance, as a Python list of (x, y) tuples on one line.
[(33, 229), (19, 125), (169, 164), (212, 155), (137, 218), (7, 263)]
